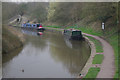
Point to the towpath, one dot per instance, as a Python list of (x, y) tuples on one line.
[(108, 64)]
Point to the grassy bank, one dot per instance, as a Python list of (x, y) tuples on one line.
[(113, 40), (11, 39)]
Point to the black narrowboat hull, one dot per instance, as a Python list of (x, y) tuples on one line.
[(76, 37), (79, 37)]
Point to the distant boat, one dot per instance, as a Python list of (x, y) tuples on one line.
[(37, 26), (73, 34)]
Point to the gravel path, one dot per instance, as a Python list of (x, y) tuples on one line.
[(108, 64)]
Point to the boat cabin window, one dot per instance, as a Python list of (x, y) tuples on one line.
[(74, 33), (34, 25), (28, 25)]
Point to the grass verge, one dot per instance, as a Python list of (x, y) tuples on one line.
[(92, 72), (54, 26), (113, 40), (98, 59)]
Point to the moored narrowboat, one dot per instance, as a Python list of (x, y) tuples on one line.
[(37, 26), (73, 34)]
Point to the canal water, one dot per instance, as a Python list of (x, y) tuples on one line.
[(50, 55)]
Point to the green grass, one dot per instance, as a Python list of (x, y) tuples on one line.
[(98, 45), (56, 29), (98, 59), (113, 40), (92, 72), (54, 26)]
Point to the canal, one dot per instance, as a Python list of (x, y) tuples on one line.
[(50, 55)]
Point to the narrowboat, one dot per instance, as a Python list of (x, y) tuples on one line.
[(73, 34), (39, 27)]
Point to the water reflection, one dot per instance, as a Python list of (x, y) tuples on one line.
[(8, 57), (72, 54), (47, 56), (36, 42), (29, 32)]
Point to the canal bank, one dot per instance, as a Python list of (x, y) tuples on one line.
[(106, 66), (88, 64), (11, 39)]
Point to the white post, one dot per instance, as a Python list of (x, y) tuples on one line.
[(103, 25)]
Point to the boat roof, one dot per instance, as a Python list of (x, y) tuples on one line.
[(72, 30)]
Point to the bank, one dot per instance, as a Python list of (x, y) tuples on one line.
[(11, 39), (98, 34)]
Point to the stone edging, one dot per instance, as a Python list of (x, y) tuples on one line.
[(90, 59)]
